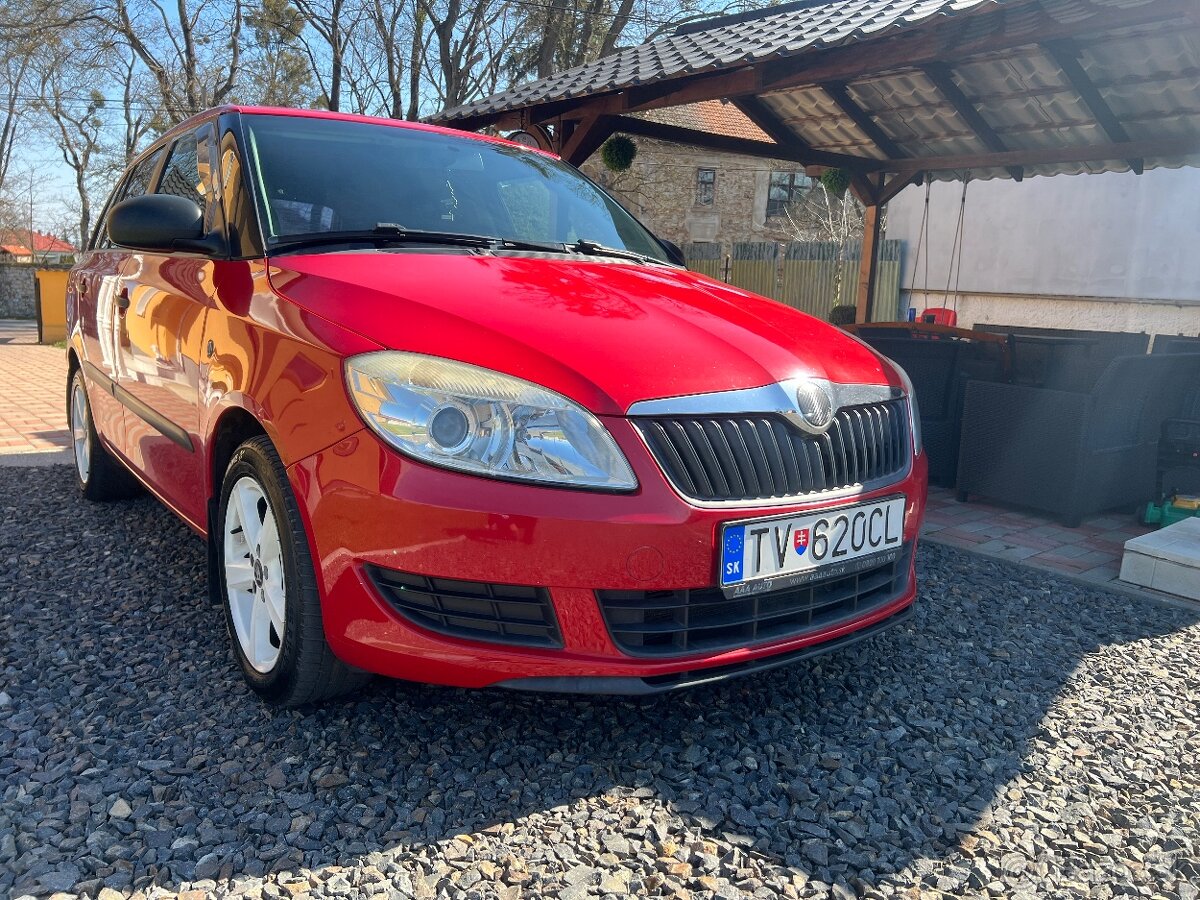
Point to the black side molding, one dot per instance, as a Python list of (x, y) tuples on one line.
[(157, 421)]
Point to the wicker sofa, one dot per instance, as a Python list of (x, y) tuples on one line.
[(1057, 367), (940, 370), (1072, 453)]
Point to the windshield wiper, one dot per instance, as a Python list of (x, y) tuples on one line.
[(593, 248), (536, 246), (383, 233), (391, 233)]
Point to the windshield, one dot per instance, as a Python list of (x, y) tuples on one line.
[(326, 175)]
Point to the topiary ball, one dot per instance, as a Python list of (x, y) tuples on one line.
[(836, 181), (618, 153)]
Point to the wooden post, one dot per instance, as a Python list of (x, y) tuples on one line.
[(868, 264)]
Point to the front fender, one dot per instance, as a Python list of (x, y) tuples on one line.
[(278, 363)]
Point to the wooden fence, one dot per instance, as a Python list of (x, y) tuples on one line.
[(804, 275)]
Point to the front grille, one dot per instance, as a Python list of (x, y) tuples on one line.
[(761, 457), (496, 613), (671, 623)]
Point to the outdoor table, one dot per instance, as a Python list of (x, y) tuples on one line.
[(933, 331)]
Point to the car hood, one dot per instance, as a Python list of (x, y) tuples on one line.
[(605, 334)]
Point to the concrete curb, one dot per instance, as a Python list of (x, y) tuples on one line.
[(1115, 586), (39, 458)]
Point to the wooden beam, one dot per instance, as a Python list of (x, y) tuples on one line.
[(1189, 146), (744, 146), (868, 265), (765, 118), (585, 139), (895, 185), (943, 79), (862, 187), (840, 95), (1066, 54)]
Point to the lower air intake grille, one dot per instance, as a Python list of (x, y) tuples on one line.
[(760, 457), (496, 613), (674, 623)]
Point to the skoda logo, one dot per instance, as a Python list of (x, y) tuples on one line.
[(815, 406)]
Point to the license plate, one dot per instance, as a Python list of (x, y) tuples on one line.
[(769, 554)]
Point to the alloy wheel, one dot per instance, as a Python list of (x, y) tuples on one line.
[(254, 582), (81, 438)]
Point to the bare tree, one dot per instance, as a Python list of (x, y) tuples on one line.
[(138, 119), (382, 56), (79, 131), (470, 43), (824, 216), (15, 75), (192, 48)]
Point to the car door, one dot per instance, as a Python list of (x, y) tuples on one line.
[(94, 287), (163, 301)]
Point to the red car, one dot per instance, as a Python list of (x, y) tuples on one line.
[(444, 411)]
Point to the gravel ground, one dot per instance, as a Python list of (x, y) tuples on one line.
[(1022, 737)]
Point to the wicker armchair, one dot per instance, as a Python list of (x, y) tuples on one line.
[(1072, 454), (939, 371)]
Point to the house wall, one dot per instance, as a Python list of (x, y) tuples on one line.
[(660, 189), (1116, 250)]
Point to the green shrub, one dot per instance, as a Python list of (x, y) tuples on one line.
[(836, 181), (618, 153)]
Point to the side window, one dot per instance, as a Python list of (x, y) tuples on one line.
[(136, 183), (181, 177)]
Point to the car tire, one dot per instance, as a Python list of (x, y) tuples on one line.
[(268, 585), (99, 476)]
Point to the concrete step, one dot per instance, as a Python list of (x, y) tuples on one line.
[(1166, 560)]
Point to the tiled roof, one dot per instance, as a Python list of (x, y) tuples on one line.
[(48, 243), (1137, 60), (710, 116), (776, 33), (17, 243)]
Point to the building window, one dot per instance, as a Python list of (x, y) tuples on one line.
[(786, 188), (706, 186)]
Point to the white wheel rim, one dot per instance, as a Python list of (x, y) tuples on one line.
[(254, 584), (81, 438)]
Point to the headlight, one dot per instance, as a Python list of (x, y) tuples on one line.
[(475, 420), (914, 414)]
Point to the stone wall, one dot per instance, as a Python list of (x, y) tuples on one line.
[(17, 294), (660, 189)]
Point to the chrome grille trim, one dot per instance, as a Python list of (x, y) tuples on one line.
[(761, 458), (778, 398)]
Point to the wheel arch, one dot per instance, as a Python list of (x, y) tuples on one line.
[(233, 427)]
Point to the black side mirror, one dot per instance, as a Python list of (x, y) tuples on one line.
[(160, 223), (673, 252)]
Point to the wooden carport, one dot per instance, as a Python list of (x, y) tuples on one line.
[(896, 91)]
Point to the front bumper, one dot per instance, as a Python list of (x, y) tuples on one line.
[(364, 504)]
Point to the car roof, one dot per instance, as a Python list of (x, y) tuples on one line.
[(246, 110)]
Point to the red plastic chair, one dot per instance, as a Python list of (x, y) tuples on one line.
[(939, 315)]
